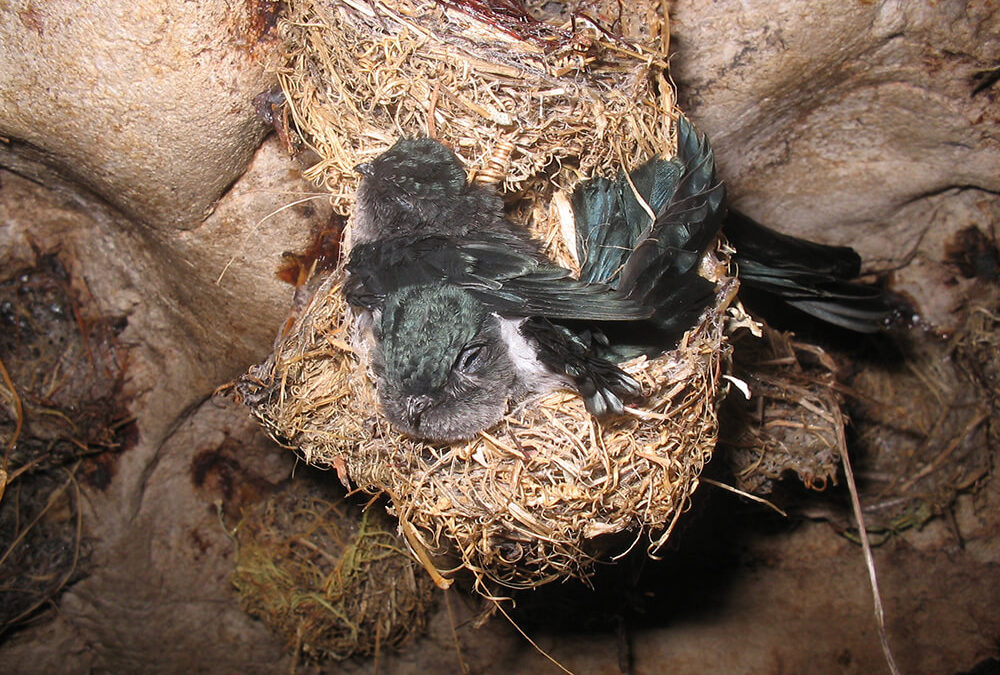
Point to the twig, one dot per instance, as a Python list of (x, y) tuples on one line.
[(253, 230), (19, 418), (378, 645), (420, 551), (23, 533), (454, 634), (944, 454), (741, 493), (76, 548), (530, 641), (867, 548)]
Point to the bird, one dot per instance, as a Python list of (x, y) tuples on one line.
[(468, 315)]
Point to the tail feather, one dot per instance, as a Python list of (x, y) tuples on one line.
[(655, 261), (813, 278), (763, 245)]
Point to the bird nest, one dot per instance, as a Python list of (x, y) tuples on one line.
[(513, 96), (330, 584), (535, 108), (529, 501)]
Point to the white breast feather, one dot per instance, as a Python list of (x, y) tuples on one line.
[(535, 377)]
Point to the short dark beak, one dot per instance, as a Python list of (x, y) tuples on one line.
[(415, 407), (365, 169)]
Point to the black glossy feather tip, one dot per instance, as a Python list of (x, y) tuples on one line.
[(813, 278)]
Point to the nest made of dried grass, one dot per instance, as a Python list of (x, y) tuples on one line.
[(528, 501), (332, 585), (792, 422), (513, 96), (536, 108)]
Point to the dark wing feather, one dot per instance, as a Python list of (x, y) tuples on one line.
[(604, 233), (686, 223), (609, 218), (602, 384), (663, 269), (619, 243), (494, 269), (654, 261)]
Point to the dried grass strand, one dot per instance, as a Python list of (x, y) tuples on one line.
[(18, 424), (534, 644), (359, 75), (866, 547)]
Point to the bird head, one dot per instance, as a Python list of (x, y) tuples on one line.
[(444, 372), (415, 180)]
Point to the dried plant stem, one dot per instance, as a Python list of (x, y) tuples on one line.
[(463, 666), (530, 641), (252, 232), (867, 548), (77, 541), (18, 419), (742, 493)]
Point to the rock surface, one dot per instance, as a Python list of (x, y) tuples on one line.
[(149, 106), (866, 123)]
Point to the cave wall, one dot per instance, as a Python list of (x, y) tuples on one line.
[(871, 124)]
